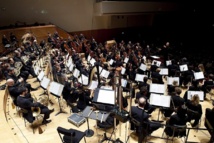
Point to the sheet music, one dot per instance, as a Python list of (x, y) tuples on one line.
[(69, 62), (106, 96), (123, 70), (192, 93), (169, 62), (143, 67), (88, 58), (93, 85), (111, 61), (160, 100), (157, 63), (105, 73), (92, 61), (83, 79), (71, 67), (139, 77), (56, 88), (170, 80), (41, 75), (76, 73), (183, 67), (123, 82), (126, 60), (45, 82), (164, 71), (198, 75), (106, 87), (157, 88), (100, 69), (37, 70)]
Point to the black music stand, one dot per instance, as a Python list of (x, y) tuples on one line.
[(89, 113), (56, 90)]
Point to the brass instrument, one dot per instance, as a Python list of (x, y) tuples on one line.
[(18, 66), (25, 59)]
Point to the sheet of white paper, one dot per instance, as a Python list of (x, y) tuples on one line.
[(71, 67), (168, 62), (111, 61), (41, 75), (123, 82), (106, 96), (105, 73), (93, 85), (157, 88), (126, 60), (56, 88), (139, 77), (83, 79), (198, 75), (92, 61), (123, 70), (88, 58), (183, 68), (76, 73), (37, 70), (100, 69), (200, 94), (157, 63), (170, 80), (160, 100), (163, 71), (143, 67), (45, 82)]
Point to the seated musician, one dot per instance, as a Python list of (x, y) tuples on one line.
[(179, 118), (176, 101), (209, 116), (195, 110), (5, 41), (144, 93), (146, 126), (13, 90), (69, 93), (84, 98), (18, 81), (193, 87), (26, 103)]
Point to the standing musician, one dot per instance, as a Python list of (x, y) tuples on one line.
[(27, 103)]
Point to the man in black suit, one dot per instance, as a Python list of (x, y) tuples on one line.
[(145, 126), (24, 102), (209, 116), (13, 90)]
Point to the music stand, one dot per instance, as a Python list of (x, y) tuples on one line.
[(56, 90), (104, 100), (160, 101), (88, 112), (44, 85)]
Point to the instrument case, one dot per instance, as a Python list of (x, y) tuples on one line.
[(76, 119)]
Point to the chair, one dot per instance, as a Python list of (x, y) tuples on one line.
[(177, 131), (70, 135)]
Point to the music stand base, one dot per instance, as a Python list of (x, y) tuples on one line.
[(89, 133), (105, 138), (60, 112)]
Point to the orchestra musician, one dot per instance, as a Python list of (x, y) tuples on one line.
[(146, 126), (195, 109), (26, 103), (179, 118)]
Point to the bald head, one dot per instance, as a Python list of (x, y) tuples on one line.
[(142, 102), (10, 82)]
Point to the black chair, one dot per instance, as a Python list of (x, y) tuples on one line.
[(70, 135), (178, 131)]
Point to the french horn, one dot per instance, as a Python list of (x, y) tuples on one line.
[(18, 66)]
